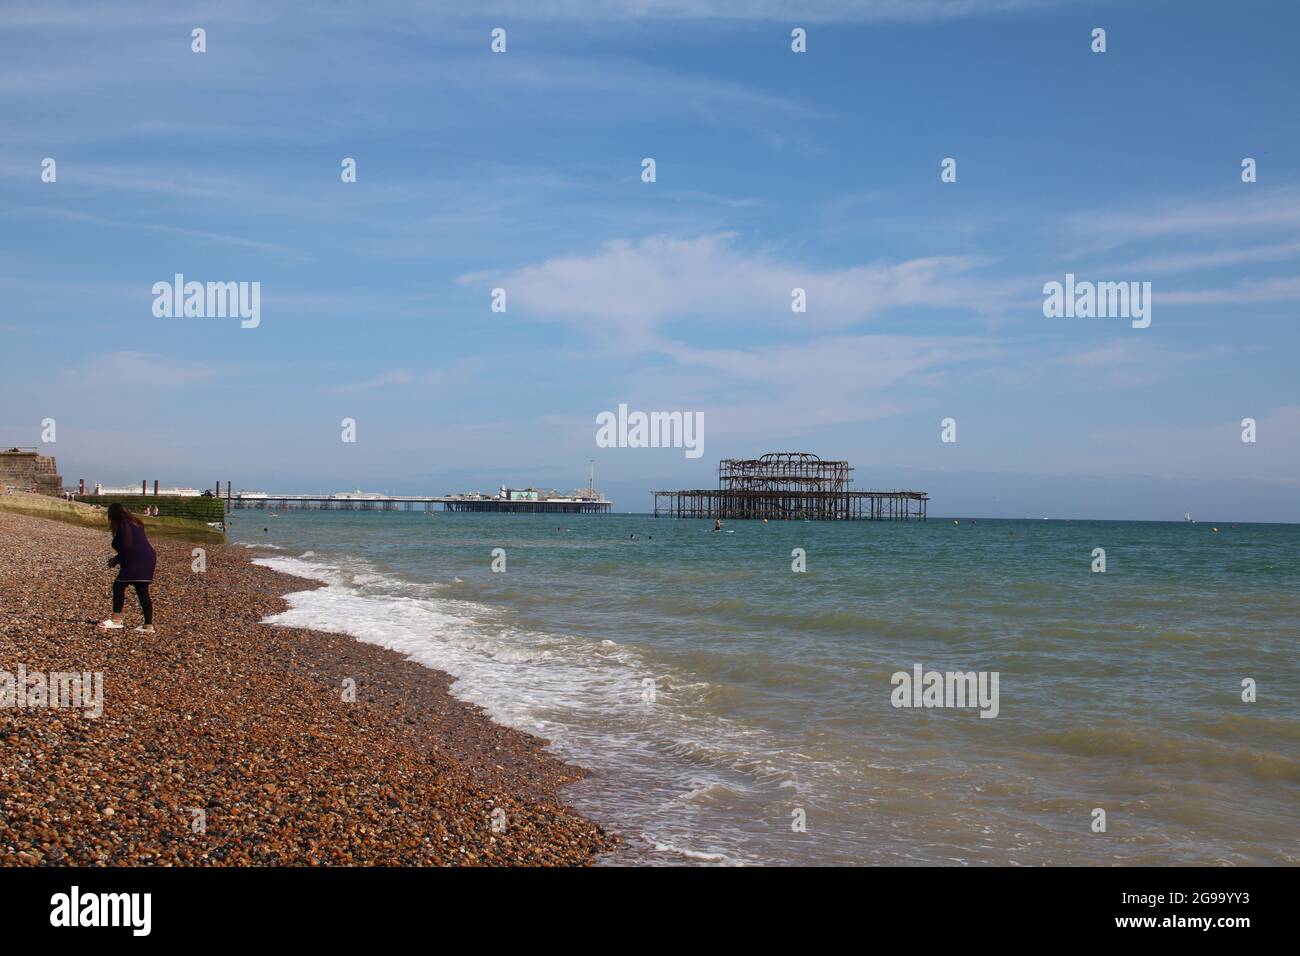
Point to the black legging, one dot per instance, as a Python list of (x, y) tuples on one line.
[(141, 591)]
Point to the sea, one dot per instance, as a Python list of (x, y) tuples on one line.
[(750, 696)]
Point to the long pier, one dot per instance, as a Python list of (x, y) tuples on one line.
[(461, 503)]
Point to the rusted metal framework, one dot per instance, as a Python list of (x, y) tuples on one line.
[(790, 486), (783, 471)]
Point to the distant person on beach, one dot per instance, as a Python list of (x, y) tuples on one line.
[(135, 561)]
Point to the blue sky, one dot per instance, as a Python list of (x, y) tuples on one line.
[(774, 169)]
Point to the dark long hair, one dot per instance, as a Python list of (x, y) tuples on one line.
[(118, 513)]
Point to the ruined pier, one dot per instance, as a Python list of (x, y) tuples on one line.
[(790, 486)]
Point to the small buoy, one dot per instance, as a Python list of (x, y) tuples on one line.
[(1215, 530), (955, 521)]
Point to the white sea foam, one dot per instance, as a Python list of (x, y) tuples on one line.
[(682, 851), (706, 791), (465, 640)]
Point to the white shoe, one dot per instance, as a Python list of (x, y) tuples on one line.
[(145, 629), (110, 625)]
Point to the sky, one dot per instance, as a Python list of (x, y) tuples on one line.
[(774, 170)]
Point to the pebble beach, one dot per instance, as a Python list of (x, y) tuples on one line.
[(225, 741)]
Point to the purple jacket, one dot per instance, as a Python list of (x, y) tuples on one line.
[(135, 554)]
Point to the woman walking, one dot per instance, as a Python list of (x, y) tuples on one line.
[(135, 560)]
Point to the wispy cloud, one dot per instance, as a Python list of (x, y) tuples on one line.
[(1240, 293), (631, 287), (217, 237), (112, 374), (383, 380), (464, 374), (1129, 363), (793, 388), (1196, 217), (1212, 259)]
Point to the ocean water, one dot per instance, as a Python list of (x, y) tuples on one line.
[(736, 712)]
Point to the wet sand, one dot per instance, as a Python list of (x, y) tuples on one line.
[(248, 723)]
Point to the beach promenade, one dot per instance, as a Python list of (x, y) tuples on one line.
[(224, 741)]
